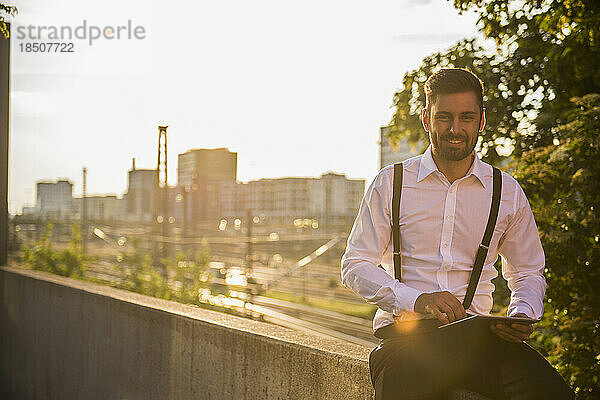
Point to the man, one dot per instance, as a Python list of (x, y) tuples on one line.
[(445, 204)]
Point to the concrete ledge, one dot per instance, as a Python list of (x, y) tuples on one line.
[(68, 339), (64, 338)]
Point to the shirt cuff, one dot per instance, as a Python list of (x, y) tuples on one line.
[(406, 297), (522, 308)]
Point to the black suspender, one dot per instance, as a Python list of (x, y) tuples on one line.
[(396, 193), (483, 247), (485, 242)]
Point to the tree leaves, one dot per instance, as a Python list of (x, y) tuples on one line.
[(543, 58), (502, 116), (563, 184), (9, 10), (543, 115)]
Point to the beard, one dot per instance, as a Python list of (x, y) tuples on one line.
[(445, 150)]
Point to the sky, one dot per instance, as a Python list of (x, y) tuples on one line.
[(295, 88)]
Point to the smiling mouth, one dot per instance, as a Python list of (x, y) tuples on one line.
[(455, 141)]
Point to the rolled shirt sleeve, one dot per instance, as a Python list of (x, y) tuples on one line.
[(368, 241), (523, 261)]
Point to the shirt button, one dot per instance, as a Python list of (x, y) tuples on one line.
[(448, 218), (445, 245)]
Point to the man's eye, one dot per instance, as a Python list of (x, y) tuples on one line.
[(443, 118), (467, 119)]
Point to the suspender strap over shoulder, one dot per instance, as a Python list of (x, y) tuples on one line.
[(483, 247), (396, 193), (485, 242)]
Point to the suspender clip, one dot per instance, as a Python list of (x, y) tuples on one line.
[(484, 247)]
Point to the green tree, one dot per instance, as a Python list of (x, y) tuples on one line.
[(562, 181), (503, 109), (547, 51), (542, 112), (4, 11), (553, 46)]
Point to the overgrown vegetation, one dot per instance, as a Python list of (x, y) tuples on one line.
[(71, 262), (542, 109), (563, 183), (178, 279), (175, 279)]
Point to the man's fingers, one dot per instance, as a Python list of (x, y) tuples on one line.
[(432, 309), (518, 330), (506, 330), (440, 303), (457, 307), (446, 309), (525, 328), (502, 334), (507, 338), (455, 304)]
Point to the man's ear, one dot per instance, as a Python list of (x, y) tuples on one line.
[(425, 119), (483, 120)]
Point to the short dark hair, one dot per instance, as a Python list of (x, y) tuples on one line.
[(452, 80)]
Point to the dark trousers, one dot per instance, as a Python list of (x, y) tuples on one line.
[(424, 362)]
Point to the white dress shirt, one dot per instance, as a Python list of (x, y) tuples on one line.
[(441, 226)]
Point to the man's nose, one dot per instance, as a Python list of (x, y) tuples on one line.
[(454, 127)]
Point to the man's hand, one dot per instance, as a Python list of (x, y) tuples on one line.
[(443, 305), (515, 333)]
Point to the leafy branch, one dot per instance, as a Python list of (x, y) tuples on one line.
[(8, 10)]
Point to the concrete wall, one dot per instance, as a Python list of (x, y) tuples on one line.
[(68, 339), (62, 338)]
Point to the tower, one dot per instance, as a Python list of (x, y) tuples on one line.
[(84, 229), (161, 218), (161, 167)]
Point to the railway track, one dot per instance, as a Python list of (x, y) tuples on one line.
[(284, 313), (342, 326)]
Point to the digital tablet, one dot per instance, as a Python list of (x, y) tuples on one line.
[(489, 319)]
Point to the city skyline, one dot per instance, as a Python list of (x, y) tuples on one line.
[(135, 166), (207, 194), (295, 89)]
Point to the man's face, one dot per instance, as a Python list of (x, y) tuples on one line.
[(453, 123)]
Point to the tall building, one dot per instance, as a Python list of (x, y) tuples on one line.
[(103, 208), (207, 165), (391, 155), (331, 200), (200, 176), (139, 199), (341, 198), (54, 199)]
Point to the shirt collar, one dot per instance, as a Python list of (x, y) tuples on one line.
[(427, 167), (479, 170)]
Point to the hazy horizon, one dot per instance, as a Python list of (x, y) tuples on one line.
[(296, 89)]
